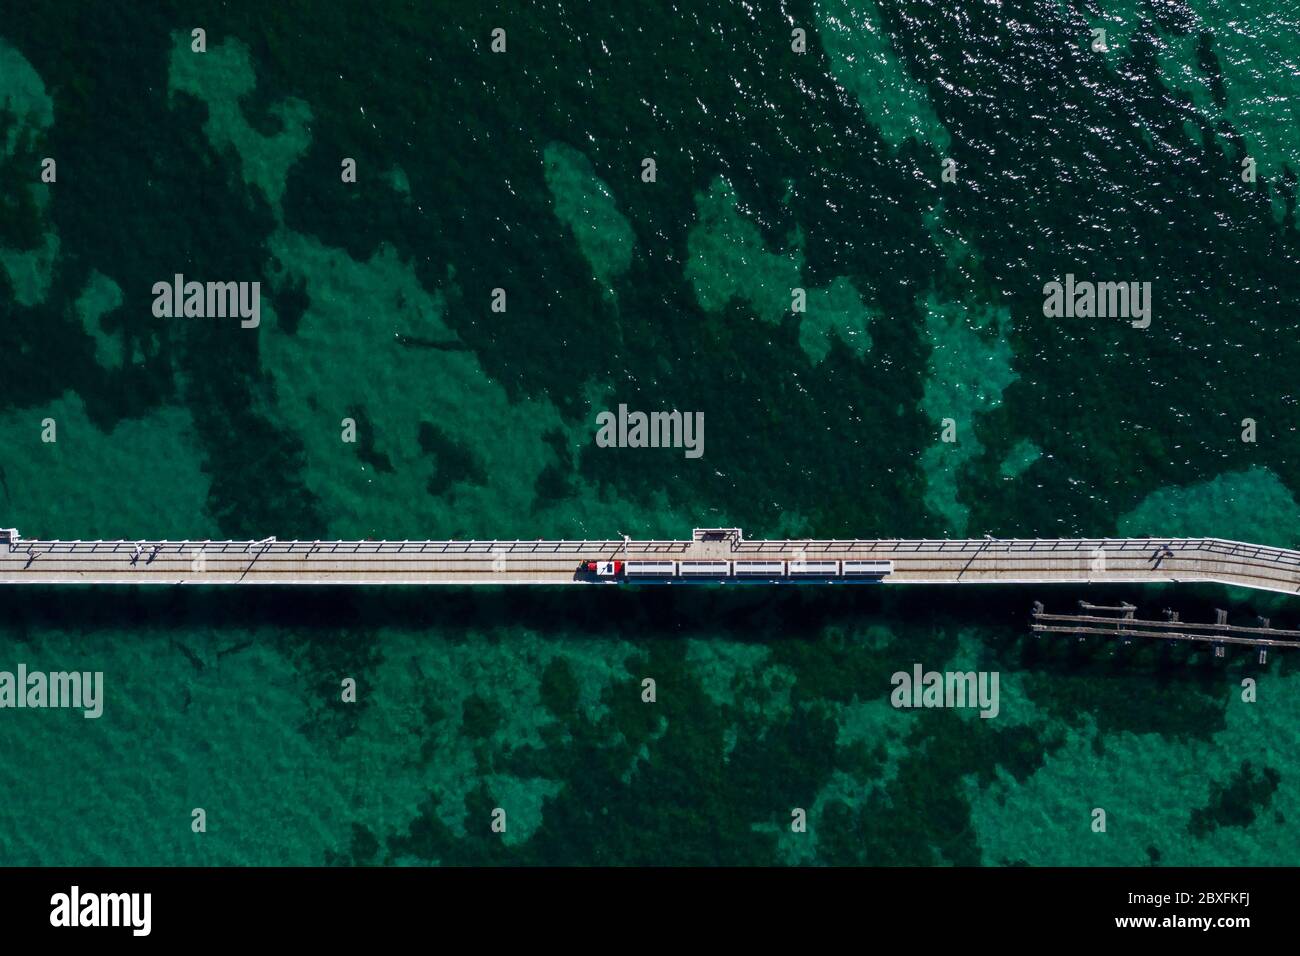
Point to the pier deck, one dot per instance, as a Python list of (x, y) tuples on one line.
[(921, 561)]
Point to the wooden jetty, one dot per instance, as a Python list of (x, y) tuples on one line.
[(1119, 622)]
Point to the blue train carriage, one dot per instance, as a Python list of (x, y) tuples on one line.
[(867, 569), (650, 569), (704, 569), (814, 569)]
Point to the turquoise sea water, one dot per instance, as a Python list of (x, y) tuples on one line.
[(522, 171)]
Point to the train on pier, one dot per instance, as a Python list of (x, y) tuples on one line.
[(754, 568)]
